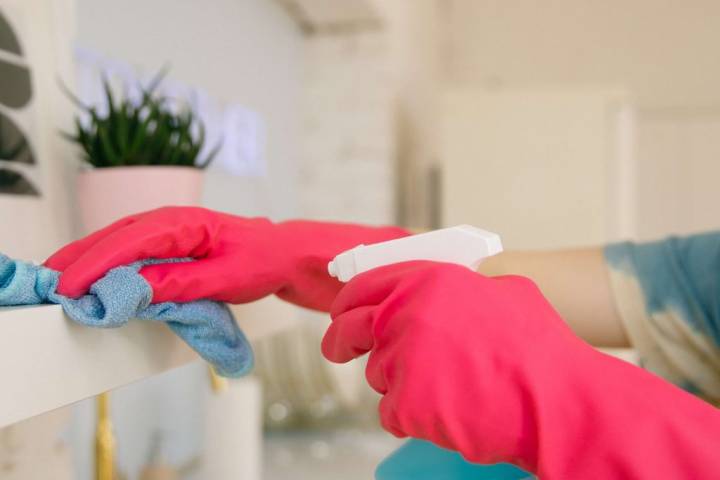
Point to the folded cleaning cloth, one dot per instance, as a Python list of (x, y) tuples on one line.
[(122, 294)]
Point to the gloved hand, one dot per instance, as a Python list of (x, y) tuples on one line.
[(238, 259), (486, 367)]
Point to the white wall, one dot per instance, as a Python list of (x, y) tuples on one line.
[(348, 167), (665, 52), (416, 48), (678, 153)]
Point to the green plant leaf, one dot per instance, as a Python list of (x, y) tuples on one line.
[(148, 132), (212, 154), (71, 96), (157, 79), (111, 155)]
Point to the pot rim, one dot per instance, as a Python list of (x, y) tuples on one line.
[(125, 168)]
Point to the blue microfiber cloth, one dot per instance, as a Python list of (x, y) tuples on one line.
[(207, 326)]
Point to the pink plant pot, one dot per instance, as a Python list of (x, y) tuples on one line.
[(108, 194)]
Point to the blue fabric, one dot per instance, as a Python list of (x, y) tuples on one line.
[(122, 294), (421, 460), (678, 273)]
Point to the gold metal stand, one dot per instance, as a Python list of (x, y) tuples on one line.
[(217, 383), (104, 440)]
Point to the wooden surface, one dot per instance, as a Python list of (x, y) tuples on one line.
[(47, 361)]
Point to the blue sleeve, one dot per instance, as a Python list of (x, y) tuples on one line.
[(678, 273)]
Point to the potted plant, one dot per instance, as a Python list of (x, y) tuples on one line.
[(138, 154)]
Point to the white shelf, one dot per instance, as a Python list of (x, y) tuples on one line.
[(47, 361)]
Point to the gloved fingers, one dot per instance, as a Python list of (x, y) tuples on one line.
[(67, 255), (349, 335), (186, 281), (388, 416), (207, 278), (128, 244), (375, 373), (373, 286)]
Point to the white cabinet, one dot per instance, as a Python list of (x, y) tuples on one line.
[(544, 168)]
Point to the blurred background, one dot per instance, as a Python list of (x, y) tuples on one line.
[(557, 123)]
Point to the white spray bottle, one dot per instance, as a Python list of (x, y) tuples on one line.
[(464, 245)]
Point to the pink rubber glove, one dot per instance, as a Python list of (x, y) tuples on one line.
[(238, 259), (486, 367)]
